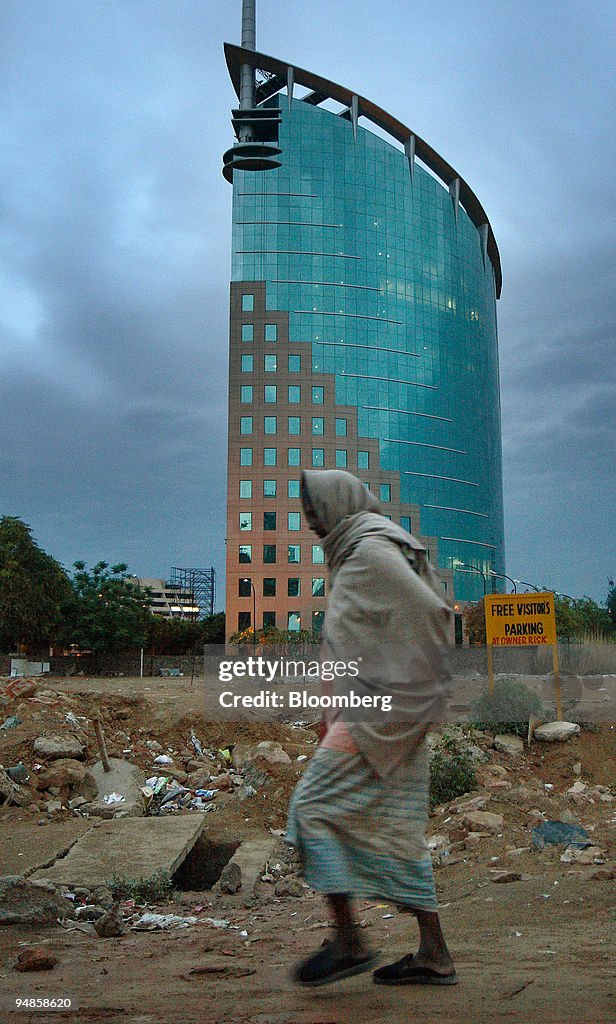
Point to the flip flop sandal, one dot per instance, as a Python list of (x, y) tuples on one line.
[(325, 967), (406, 972)]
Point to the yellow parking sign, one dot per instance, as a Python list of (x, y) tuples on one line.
[(514, 620)]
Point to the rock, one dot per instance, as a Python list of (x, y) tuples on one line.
[(7, 788), (578, 788), (589, 855), (102, 897), (518, 851), (245, 753), (199, 779), (557, 732), (505, 876), (179, 775), (289, 887), (221, 782), (111, 924), (231, 878), (603, 875), (570, 818), (154, 745), (30, 903), (35, 959), (54, 806), (496, 785), (89, 913), (464, 805), (511, 745), (66, 771), (124, 778), (474, 838), (484, 821), (577, 768), (52, 748)]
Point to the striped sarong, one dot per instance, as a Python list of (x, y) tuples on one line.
[(363, 835)]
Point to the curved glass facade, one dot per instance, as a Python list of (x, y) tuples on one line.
[(375, 282)]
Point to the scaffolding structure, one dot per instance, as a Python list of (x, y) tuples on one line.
[(195, 587)]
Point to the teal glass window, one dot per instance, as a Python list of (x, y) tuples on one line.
[(405, 523), (293, 521), (293, 489), (318, 555), (244, 588), (269, 425), (318, 457), (318, 425), (243, 621), (270, 363), (248, 332), (269, 392), (363, 460), (385, 492), (293, 586), (293, 554), (294, 622), (294, 425), (317, 621), (245, 553), (318, 395), (271, 332), (269, 620), (269, 553), (245, 456), (269, 488), (294, 456), (269, 456), (318, 586), (269, 520), (248, 303), (246, 393), (295, 394), (341, 427), (341, 458), (245, 488), (269, 586), (245, 520), (295, 364), (247, 364), (245, 424)]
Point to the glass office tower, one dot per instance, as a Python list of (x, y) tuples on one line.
[(363, 337)]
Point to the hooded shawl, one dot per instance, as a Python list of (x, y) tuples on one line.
[(386, 611)]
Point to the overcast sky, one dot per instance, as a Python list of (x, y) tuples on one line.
[(115, 255)]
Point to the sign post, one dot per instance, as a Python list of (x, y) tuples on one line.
[(517, 620)]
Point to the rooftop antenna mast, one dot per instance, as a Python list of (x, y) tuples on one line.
[(256, 128)]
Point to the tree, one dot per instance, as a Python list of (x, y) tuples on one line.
[(581, 620), (107, 613), (611, 601), (474, 617), (33, 589)]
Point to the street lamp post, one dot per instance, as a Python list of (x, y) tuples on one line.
[(523, 583), (470, 568), (503, 576), (254, 611)]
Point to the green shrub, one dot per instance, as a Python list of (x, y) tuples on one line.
[(508, 709), (155, 889), (452, 771)]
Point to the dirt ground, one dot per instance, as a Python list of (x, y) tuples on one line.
[(538, 949)]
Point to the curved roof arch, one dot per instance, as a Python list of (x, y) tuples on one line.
[(282, 73)]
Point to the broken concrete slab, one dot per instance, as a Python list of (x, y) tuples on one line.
[(26, 853), (556, 732), (26, 902), (124, 778), (132, 848), (251, 858)]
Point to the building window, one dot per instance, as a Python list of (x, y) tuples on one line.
[(293, 456), (269, 520), (245, 520), (245, 456), (294, 425), (271, 332), (318, 457), (405, 523), (245, 588), (245, 424), (269, 425), (293, 554), (269, 620), (293, 488), (385, 492), (269, 456), (248, 303), (269, 554), (245, 488), (295, 364), (341, 458), (270, 364), (318, 556), (318, 425), (247, 364), (295, 394), (318, 587), (294, 622), (269, 488), (341, 427), (317, 395), (317, 621), (243, 621), (269, 392), (245, 553), (269, 586), (363, 460), (248, 332), (293, 521), (246, 393), (293, 586)]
